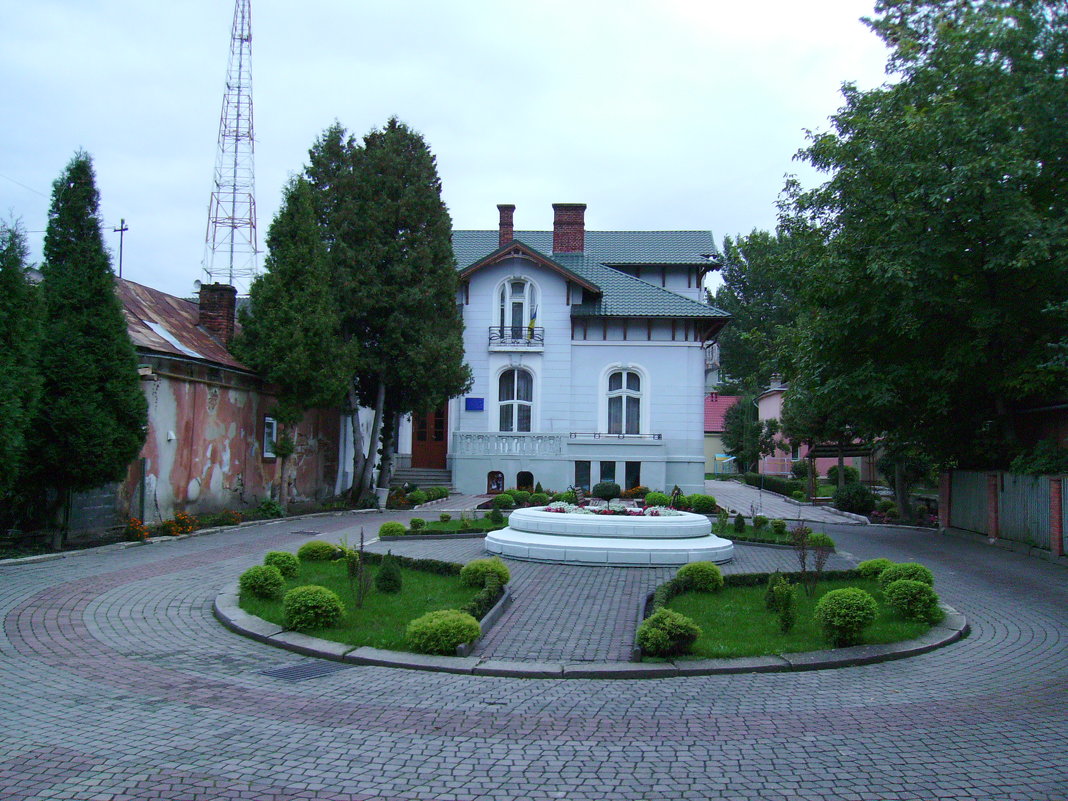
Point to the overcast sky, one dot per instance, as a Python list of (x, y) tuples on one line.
[(659, 114)]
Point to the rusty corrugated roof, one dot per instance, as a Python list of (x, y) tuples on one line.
[(167, 324)]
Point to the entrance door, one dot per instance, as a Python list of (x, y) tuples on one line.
[(430, 439)]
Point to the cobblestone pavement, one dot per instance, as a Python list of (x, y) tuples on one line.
[(119, 685), (749, 501)]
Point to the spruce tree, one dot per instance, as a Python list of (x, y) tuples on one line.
[(291, 333), (20, 382), (92, 417)]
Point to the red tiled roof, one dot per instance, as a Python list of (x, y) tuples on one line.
[(716, 407), (165, 324)]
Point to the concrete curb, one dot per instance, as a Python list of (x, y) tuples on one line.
[(419, 537), (952, 628)]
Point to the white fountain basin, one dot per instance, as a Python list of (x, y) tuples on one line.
[(536, 535)]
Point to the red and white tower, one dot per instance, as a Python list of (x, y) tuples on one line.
[(230, 244)]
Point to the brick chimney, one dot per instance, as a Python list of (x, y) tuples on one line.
[(218, 304), (569, 227), (507, 228)]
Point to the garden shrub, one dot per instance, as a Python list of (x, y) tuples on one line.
[(701, 576), (539, 488), (444, 517), (606, 490), (388, 577), (504, 501), (312, 607), (723, 520), (316, 551), (872, 568), (135, 531), (270, 508), (820, 542), (778, 527), (486, 598), (769, 591), (417, 524), (844, 614), (539, 499), (392, 529), (262, 581), (703, 504), (496, 516), (799, 469), (781, 598), (636, 492), (913, 600), (760, 522), (681, 501), (854, 498), (521, 496), (287, 563), (667, 633), (797, 495), (657, 499), (884, 506), (416, 497), (739, 523), (475, 572), (781, 486), (852, 475), (913, 571), (441, 632)]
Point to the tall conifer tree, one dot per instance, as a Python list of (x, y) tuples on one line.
[(92, 416)]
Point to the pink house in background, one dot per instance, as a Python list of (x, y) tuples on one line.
[(716, 406), (769, 407)]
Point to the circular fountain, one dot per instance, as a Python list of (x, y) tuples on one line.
[(538, 535)]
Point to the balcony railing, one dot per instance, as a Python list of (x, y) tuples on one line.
[(483, 444), (517, 336), (603, 435)]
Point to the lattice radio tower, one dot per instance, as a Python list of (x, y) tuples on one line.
[(230, 244)]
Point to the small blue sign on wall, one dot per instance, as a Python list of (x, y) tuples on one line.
[(474, 404)]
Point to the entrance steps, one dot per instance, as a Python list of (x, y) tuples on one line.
[(423, 477)]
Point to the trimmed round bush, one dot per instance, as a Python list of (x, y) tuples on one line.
[(262, 581), (317, 551), (820, 542), (701, 576), (667, 633), (606, 490), (416, 497), (760, 522), (417, 524), (913, 571), (844, 614), (568, 496), (852, 475), (871, 568), (913, 600), (475, 572), (703, 504), (287, 563), (854, 498), (444, 517), (391, 529), (682, 503), (539, 499), (656, 499), (312, 607), (440, 632), (504, 501), (521, 496), (779, 527)]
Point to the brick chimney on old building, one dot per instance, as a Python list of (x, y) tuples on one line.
[(218, 305), (569, 227), (507, 228)]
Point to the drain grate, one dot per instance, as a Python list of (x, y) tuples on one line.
[(302, 671)]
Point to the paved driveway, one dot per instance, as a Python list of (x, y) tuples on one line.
[(118, 684), (739, 497)]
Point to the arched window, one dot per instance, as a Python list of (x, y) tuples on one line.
[(525, 480), (516, 400), (517, 309), (624, 402)]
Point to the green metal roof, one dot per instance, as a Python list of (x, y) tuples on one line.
[(621, 295)]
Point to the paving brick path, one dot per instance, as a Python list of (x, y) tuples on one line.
[(119, 685)]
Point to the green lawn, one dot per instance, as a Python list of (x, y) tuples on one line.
[(765, 534), (381, 621), (734, 622), (455, 525)]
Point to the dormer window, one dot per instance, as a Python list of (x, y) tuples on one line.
[(517, 309)]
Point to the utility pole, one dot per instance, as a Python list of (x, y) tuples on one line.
[(230, 242), (121, 231)]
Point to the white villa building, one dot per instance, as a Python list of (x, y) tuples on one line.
[(588, 351)]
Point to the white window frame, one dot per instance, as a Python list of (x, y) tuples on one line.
[(642, 395), (515, 402), (270, 437), (502, 307)]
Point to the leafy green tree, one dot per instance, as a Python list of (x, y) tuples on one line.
[(92, 416), (942, 289), (20, 381), (745, 437), (757, 290), (291, 332)]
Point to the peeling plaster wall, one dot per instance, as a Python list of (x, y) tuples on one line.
[(204, 447)]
